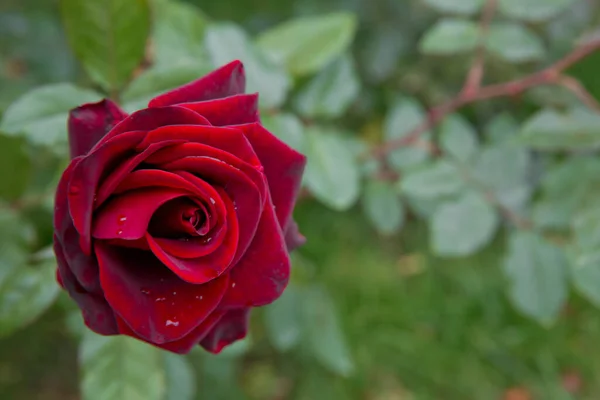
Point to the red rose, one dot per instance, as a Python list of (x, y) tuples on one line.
[(172, 222)]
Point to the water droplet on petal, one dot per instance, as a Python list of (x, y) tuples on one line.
[(160, 299), (145, 291), (120, 232), (174, 292), (212, 200), (233, 285), (171, 323), (121, 219)]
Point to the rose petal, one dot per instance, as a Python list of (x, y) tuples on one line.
[(203, 269), (226, 81), (192, 247), (89, 123), (283, 167), (232, 110), (157, 305), (127, 216), (85, 177), (231, 327), (226, 139), (263, 272), (152, 118), (97, 314), (185, 344), (83, 267)]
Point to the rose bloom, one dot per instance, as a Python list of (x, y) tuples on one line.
[(173, 222)]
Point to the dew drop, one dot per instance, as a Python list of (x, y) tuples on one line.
[(174, 292), (145, 291), (120, 232), (208, 240), (160, 299), (233, 285), (212, 200), (171, 323), (121, 219), (199, 297)]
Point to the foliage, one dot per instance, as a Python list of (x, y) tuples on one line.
[(450, 198)]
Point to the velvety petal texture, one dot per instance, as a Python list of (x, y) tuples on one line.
[(173, 222)]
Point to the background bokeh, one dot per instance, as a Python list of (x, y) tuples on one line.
[(463, 265)]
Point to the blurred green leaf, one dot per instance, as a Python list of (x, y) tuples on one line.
[(286, 127), (383, 207), (180, 377), (14, 158), (157, 80), (331, 172), (435, 180), (404, 116), (283, 320), (41, 114), (533, 10), (456, 6), (324, 335), (108, 37), (329, 94), (514, 42), (461, 227), (450, 36), (536, 270), (553, 130), (584, 254), (306, 44), (502, 128), (15, 235), (228, 42), (458, 138), (178, 34), (120, 368), (26, 293)]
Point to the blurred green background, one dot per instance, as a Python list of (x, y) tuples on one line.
[(463, 266)]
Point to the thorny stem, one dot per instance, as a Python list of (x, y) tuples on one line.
[(473, 91)]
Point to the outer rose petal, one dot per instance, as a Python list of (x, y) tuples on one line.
[(154, 302), (226, 81), (89, 123), (232, 326), (232, 110), (283, 167), (293, 237), (263, 272)]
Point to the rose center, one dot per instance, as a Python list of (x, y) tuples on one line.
[(180, 218)]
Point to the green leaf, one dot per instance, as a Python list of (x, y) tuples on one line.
[(331, 92), (120, 368), (13, 157), (461, 227), (283, 320), (502, 128), (228, 42), (533, 10), (324, 336), (41, 114), (15, 236), (450, 36), (435, 180), (332, 171), (536, 270), (307, 44), (180, 377), (458, 138), (25, 294), (383, 207), (157, 80), (404, 116), (456, 6), (108, 37), (576, 128), (286, 127), (584, 254), (178, 35), (514, 42)]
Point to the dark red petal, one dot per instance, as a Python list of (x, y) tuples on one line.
[(203, 269), (127, 216), (283, 167), (231, 327), (85, 177), (263, 272), (83, 267), (89, 123), (157, 305), (192, 247), (152, 118), (62, 219), (293, 237), (226, 81), (227, 139), (232, 110), (247, 203), (185, 344), (97, 314)]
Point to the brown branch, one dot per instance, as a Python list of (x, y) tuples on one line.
[(573, 85), (552, 75)]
